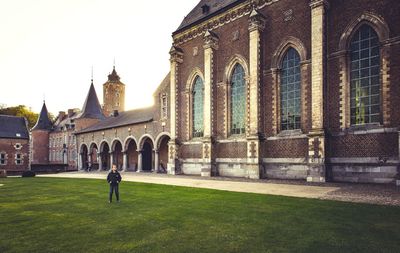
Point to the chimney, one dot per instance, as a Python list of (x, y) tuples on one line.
[(61, 115), (115, 113), (70, 112)]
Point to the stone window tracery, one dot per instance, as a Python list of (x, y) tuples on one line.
[(290, 91), (198, 107), (238, 100), (365, 83)]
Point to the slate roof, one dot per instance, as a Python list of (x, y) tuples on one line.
[(12, 127), (113, 77), (197, 16), (163, 84), (66, 121), (92, 109), (123, 119), (43, 122)]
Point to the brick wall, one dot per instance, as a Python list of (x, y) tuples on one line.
[(8, 147)]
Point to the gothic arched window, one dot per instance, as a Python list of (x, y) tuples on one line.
[(238, 100), (197, 107), (290, 91), (365, 84)]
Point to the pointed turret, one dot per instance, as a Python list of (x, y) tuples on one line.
[(43, 122), (113, 77), (113, 94), (92, 109)]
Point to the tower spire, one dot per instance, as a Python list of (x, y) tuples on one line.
[(92, 75)]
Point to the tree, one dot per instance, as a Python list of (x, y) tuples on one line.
[(21, 111)]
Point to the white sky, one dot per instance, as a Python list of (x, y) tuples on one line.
[(48, 47)]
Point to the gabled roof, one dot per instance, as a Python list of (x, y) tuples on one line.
[(163, 84), (197, 15), (92, 109), (123, 119), (12, 127), (43, 122)]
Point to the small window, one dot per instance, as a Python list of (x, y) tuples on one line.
[(205, 9), (18, 159), (18, 146), (164, 106), (3, 158)]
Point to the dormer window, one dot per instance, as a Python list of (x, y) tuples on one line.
[(205, 9)]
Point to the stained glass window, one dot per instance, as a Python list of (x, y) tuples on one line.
[(238, 100), (365, 88), (290, 91), (198, 109)]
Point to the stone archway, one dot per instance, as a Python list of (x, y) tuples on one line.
[(84, 164), (161, 153), (93, 161), (147, 155), (104, 156), (117, 156), (132, 155)]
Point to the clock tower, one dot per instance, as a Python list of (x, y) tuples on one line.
[(113, 94)]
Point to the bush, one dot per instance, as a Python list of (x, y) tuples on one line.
[(28, 173)]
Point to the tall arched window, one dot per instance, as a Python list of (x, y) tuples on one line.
[(238, 100), (290, 91), (197, 107), (365, 86)]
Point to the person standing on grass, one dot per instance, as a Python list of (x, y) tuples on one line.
[(113, 179)]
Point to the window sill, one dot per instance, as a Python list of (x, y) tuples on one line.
[(288, 134), (366, 129)]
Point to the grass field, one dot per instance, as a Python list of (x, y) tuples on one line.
[(73, 215)]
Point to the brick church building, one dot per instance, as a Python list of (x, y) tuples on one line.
[(287, 89)]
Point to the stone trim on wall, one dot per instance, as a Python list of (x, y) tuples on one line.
[(220, 20)]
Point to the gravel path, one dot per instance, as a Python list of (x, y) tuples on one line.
[(359, 193)]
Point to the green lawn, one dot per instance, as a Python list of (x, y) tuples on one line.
[(73, 215)]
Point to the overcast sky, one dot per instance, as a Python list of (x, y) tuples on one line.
[(48, 47)]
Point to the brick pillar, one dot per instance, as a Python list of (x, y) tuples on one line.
[(111, 160), (140, 161), (100, 160), (80, 162), (176, 59), (398, 166), (156, 161), (316, 143), (210, 45), (256, 26), (125, 161)]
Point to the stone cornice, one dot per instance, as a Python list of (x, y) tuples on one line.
[(256, 21), (211, 40), (220, 20), (176, 54), (318, 3)]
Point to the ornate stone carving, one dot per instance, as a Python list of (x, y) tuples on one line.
[(176, 54), (210, 40), (256, 21), (220, 20)]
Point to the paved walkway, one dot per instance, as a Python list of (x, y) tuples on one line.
[(374, 194)]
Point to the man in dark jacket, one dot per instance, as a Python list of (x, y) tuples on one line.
[(113, 179)]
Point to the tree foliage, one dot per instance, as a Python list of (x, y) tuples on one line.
[(21, 111)]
